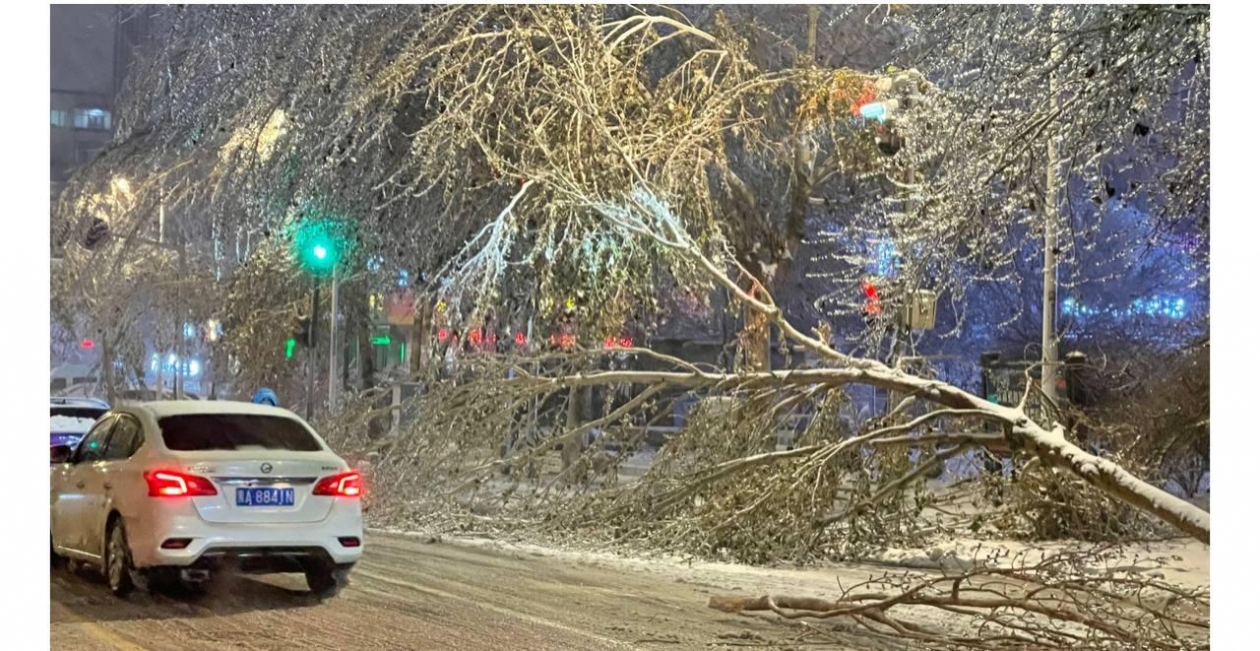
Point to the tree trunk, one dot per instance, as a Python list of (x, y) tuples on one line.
[(571, 447)]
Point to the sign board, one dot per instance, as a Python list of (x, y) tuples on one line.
[(400, 308), (919, 311), (1005, 382)]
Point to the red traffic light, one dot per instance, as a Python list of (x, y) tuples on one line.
[(872, 292), (873, 305), (87, 344)]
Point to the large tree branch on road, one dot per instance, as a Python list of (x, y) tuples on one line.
[(1045, 604), (1050, 445)]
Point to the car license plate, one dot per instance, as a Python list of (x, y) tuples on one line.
[(264, 497)]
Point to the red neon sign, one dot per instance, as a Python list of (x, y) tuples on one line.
[(618, 342)]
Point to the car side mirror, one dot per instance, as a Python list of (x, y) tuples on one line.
[(61, 454)]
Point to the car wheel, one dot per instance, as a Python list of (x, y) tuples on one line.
[(118, 565), (327, 582)]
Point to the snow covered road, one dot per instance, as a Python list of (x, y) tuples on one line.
[(473, 594), (410, 594)]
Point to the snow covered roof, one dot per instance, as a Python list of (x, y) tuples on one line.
[(71, 425)]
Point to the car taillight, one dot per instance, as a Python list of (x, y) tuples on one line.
[(347, 484), (169, 483)]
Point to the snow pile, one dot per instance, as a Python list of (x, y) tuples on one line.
[(71, 424)]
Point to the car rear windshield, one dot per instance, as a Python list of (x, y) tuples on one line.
[(196, 432), (91, 413)]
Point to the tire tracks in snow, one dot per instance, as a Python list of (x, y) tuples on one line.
[(607, 642)]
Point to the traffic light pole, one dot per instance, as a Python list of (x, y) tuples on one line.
[(310, 350), (1050, 262), (332, 346)]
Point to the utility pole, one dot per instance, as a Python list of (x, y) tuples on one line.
[(107, 368), (181, 340), (1049, 281), (332, 345), (310, 350)]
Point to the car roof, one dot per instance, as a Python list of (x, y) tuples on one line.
[(164, 408), (78, 402)]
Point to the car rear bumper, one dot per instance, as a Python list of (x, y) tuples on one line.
[(253, 544), (263, 559)]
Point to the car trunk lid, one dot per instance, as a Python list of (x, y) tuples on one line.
[(253, 485)]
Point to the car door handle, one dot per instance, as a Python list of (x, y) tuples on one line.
[(81, 484)]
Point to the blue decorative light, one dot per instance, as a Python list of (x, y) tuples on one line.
[(883, 254), (1168, 307)]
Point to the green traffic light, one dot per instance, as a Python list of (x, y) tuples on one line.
[(288, 348), (319, 245)]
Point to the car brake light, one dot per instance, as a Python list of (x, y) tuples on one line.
[(349, 541), (169, 483), (347, 484)]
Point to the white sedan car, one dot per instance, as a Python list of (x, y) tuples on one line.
[(176, 491)]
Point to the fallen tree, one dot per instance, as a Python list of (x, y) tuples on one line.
[(644, 186), (1054, 602)]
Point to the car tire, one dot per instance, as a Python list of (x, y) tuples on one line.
[(327, 581), (119, 570)]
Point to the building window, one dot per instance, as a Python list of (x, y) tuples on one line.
[(60, 118), (91, 118)]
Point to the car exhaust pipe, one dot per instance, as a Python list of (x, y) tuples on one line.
[(194, 576)]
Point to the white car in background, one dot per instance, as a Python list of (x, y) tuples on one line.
[(178, 491), (72, 418)]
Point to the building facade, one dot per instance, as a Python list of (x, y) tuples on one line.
[(93, 47)]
